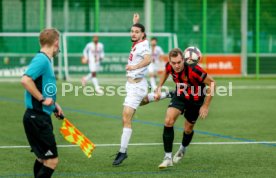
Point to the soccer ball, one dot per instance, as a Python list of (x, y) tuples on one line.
[(192, 55)]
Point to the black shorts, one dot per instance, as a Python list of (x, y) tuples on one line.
[(190, 109), (39, 131)]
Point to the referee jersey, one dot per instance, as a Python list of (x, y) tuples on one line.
[(42, 73)]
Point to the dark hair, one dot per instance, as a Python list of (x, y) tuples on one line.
[(139, 26), (142, 29), (154, 38), (175, 52)]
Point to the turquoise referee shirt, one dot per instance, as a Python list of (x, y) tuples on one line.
[(42, 73)]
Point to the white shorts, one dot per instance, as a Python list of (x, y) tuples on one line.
[(135, 93), (156, 67), (94, 66)]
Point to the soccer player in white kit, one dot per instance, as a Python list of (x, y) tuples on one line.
[(93, 54), (136, 85), (157, 64)]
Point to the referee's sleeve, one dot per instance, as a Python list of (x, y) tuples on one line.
[(36, 68)]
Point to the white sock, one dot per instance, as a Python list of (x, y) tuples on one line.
[(168, 155), (95, 83), (151, 96), (125, 139), (87, 77), (152, 83), (163, 95), (182, 148)]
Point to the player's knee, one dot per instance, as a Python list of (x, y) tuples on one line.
[(169, 122), (51, 163), (93, 74), (144, 101), (189, 128), (126, 121), (151, 75), (188, 131)]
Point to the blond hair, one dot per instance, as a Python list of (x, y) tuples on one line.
[(48, 36)]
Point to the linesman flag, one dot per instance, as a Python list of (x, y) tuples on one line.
[(74, 136)]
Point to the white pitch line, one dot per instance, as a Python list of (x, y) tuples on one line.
[(155, 144)]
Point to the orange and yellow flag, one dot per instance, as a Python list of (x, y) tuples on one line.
[(74, 136)]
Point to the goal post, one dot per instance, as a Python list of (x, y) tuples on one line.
[(116, 47), (18, 48)]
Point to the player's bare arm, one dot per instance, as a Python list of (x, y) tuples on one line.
[(29, 85), (163, 79), (84, 60), (135, 18), (210, 82), (146, 61)]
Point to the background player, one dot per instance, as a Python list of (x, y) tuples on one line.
[(157, 63), (136, 85), (189, 99), (93, 54)]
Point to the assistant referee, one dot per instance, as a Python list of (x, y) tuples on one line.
[(40, 101)]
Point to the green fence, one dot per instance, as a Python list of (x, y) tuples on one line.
[(215, 26)]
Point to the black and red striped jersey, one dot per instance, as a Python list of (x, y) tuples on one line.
[(189, 81)]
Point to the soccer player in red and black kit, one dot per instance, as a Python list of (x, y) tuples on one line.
[(192, 98)]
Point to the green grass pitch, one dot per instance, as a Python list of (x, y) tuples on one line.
[(248, 116)]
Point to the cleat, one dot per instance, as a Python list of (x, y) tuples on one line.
[(99, 91), (170, 94), (119, 158), (166, 163), (178, 156), (83, 81)]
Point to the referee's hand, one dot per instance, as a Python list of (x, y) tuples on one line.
[(48, 101), (59, 112)]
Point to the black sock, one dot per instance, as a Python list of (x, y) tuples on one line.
[(187, 138), (45, 172), (37, 167), (168, 136)]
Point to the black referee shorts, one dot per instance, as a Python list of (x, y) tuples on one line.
[(188, 108), (39, 131)]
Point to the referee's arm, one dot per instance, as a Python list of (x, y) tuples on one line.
[(29, 85)]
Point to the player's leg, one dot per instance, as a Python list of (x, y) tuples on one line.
[(86, 78), (39, 132), (128, 113), (93, 66), (152, 76), (135, 93), (168, 135), (150, 97), (47, 149), (37, 166), (48, 167), (191, 115)]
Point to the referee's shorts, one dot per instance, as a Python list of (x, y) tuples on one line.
[(39, 131)]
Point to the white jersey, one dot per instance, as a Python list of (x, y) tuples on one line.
[(156, 53), (137, 53), (157, 64), (94, 52)]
